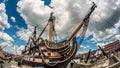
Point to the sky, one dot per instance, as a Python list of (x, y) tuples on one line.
[(19, 17)]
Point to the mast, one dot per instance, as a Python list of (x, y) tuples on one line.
[(88, 56), (33, 36), (51, 20), (85, 20), (34, 33)]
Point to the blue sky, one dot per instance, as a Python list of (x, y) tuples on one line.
[(89, 43), (19, 21)]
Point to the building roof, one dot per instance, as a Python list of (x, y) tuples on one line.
[(111, 47)]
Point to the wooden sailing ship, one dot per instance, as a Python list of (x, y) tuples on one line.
[(1, 57), (47, 53)]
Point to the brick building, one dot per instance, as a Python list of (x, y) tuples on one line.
[(112, 47)]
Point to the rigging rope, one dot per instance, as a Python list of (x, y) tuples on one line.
[(54, 31), (27, 43), (52, 18), (82, 34), (42, 31), (43, 21), (109, 23)]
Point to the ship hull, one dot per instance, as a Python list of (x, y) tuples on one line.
[(58, 63)]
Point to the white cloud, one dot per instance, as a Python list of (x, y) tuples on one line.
[(24, 34), (83, 46), (69, 13), (117, 24), (103, 28), (18, 49), (5, 44), (5, 37), (33, 12), (3, 18), (81, 52), (13, 19), (10, 50), (21, 48), (14, 49)]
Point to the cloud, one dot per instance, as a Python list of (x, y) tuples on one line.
[(4, 24), (24, 34), (5, 37), (82, 46), (13, 19), (81, 52), (5, 44), (3, 18), (69, 13), (33, 12), (14, 49), (108, 15), (21, 48)]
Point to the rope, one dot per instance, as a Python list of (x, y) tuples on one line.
[(109, 23), (54, 31), (82, 34), (43, 20), (27, 43), (42, 31)]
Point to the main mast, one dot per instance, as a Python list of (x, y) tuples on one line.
[(51, 21)]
